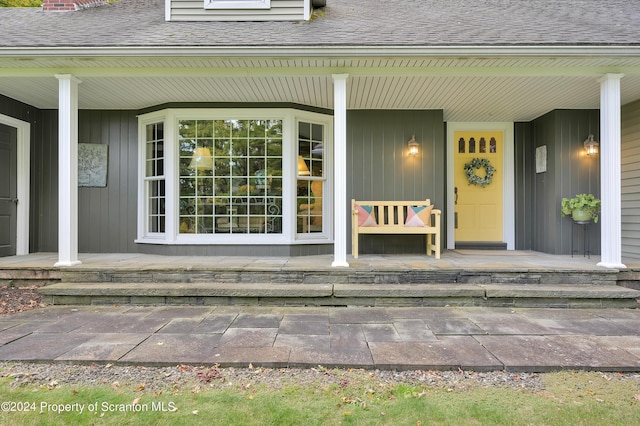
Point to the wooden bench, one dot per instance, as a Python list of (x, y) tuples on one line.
[(390, 218)]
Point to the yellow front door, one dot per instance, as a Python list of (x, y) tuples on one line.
[(478, 196)]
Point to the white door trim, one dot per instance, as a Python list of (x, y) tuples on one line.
[(508, 176), (23, 172)]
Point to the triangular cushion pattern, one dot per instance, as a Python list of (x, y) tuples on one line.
[(418, 216), (366, 216)]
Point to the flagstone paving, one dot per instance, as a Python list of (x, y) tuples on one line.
[(442, 338)]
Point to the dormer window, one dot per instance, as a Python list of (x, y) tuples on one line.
[(237, 4)]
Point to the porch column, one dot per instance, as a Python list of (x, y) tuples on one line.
[(68, 170), (611, 215), (340, 169)]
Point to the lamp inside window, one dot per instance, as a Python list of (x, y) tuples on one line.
[(591, 146), (201, 159), (414, 147), (303, 169)]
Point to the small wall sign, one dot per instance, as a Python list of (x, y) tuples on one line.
[(541, 159), (92, 164)]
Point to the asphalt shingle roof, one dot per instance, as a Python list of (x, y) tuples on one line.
[(341, 23)]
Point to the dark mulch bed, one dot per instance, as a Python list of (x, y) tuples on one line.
[(18, 299)]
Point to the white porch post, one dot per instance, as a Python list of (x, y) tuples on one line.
[(68, 170), (611, 215), (340, 169)]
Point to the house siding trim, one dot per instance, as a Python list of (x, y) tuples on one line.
[(243, 10), (630, 183), (508, 178), (23, 180)]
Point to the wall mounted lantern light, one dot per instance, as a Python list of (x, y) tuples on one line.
[(591, 146), (414, 147)]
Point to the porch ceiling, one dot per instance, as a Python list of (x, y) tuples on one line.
[(467, 89)]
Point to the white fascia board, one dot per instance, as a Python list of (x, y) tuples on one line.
[(324, 51)]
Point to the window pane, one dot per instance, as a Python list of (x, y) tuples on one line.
[(492, 145), (310, 182), (309, 202), (155, 184), (236, 186)]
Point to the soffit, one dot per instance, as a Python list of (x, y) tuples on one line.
[(467, 89)]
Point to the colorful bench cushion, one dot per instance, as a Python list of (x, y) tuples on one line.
[(418, 216), (366, 216)]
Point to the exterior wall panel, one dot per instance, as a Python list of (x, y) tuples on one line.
[(107, 216), (40, 174), (569, 172), (280, 10), (44, 183), (630, 181), (378, 168), (524, 171)]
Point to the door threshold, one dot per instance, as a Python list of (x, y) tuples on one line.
[(481, 245)]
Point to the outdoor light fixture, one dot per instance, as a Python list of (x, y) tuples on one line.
[(591, 146), (201, 159), (413, 146), (303, 169)]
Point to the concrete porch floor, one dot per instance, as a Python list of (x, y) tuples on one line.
[(451, 259)]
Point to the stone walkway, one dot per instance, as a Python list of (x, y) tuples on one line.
[(479, 339)]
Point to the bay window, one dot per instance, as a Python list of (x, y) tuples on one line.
[(234, 177)]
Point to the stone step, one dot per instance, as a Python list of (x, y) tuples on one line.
[(21, 277), (342, 276), (190, 289), (435, 294)]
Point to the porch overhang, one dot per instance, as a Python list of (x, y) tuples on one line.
[(468, 83)]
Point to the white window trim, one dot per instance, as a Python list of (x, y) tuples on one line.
[(290, 118), (237, 4), (143, 205), (327, 192)]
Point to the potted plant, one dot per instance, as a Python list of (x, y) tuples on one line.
[(582, 207)]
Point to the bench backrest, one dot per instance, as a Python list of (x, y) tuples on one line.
[(390, 213)]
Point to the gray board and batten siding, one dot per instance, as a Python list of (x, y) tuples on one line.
[(378, 167), (40, 142), (569, 172), (524, 172), (279, 10), (630, 184)]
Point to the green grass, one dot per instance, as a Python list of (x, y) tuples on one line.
[(26, 3), (20, 3), (569, 398)]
